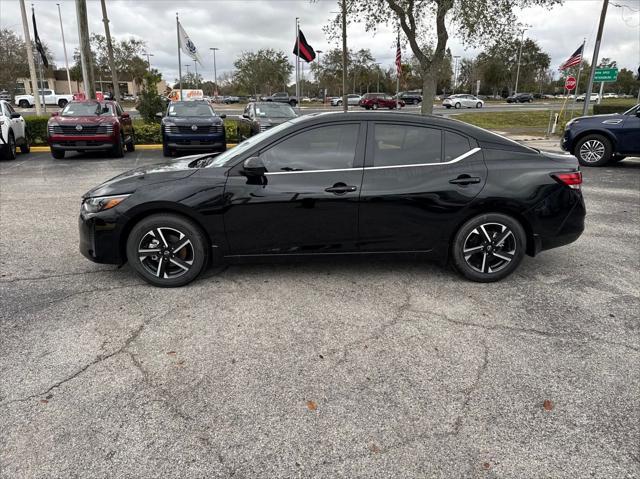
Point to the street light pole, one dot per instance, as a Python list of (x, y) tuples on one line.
[(215, 73), (64, 47), (455, 72), (377, 77), (519, 58), (319, 72)]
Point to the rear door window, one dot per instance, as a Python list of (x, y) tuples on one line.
[(398, 145), (455, 145)]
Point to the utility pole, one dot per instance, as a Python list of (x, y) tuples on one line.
[(377, 77), (515, 92), (112, 63), (594, 61), (215, 73), (455, 72), (297, 55), (345, 106), (32, 65), (64, 47), (85, 50), (319, 73), (148, 55)]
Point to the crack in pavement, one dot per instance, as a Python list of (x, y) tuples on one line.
[(98, 359), (52, 276), (532, 331), (468, 392)]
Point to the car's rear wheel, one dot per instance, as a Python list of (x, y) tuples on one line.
[(57, 154), (488, 247), (458, 106), (23, 104), (62, 103), (479, 105), (374, 106), (9, 152), (166, 151), (593, 150), (447, 106), (415, 101), (131, 145), (167, 250)]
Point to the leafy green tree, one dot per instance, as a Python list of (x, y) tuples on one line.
[(13, 59), (476, 22), (190, 80), (263, 71), (149, 102)]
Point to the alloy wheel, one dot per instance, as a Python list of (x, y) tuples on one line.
[(166, 253), (489, 248), (592, 151)]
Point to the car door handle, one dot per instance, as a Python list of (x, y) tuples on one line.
[(341, 189), (465, 180)]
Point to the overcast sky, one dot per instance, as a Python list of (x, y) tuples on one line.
[(246, 25)]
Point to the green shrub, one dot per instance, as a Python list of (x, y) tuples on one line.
[(611, 108), (150, 102), (147, 133), (36, 129)]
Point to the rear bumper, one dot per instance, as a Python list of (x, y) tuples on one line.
[(559, 229)]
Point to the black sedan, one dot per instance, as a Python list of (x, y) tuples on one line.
[(335, 184), (520, 98), (262, 115)]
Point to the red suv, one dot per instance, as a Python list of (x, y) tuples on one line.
[(90, 126), (379, 100)]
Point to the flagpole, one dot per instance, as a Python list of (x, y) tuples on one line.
[(573, 104), (398, 74), (179, 59), (297, 59), (64, 47), (41, 81)]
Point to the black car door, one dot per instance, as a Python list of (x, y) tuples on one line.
[(629, 134), (307, 201), (417, 181)]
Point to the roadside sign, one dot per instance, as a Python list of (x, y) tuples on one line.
[(570, 83), (605, 75)]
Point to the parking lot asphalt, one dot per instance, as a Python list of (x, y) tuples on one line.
[(337, 368)]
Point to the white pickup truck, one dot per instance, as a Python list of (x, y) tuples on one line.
[(50, 98)]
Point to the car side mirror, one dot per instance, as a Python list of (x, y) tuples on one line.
[(223, 116), (246, 115), (15, 115), (159, 114), (125, 115), (253, 166), (55, 113)]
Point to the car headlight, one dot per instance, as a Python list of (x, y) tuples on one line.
[(102, 203), (169, 123), (571, 122)]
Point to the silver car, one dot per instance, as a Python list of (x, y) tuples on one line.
[(462, 101), (352, 99)]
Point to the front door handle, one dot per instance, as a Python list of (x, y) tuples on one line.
[(465, 180), (341, 189)]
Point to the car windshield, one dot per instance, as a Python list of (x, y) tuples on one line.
[(273, 110), (225, 159), (91, 108), (190, 108)]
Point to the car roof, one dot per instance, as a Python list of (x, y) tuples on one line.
[(479, 134)]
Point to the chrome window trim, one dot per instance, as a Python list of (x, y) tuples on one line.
[(417, 165)]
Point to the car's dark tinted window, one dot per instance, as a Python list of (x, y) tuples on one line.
[(323, 148), (396, 145), (454, 145)]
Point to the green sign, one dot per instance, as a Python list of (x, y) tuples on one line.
[(605, 75)]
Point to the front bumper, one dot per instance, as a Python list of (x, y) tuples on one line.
[(100, 235), (196, 142), (86, 143), (567, 141)]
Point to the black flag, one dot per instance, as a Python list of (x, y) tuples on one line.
[(303, 49), (39, 46)]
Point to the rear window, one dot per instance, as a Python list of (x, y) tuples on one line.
[(455, 145), (397, 145)]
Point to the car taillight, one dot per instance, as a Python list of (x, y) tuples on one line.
[(572, 180)]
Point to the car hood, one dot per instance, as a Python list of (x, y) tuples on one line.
[(597, 118), (85, 120), (131, 180), (272, 121)]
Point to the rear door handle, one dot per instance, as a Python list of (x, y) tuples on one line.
[(465, 180), (341, 189)]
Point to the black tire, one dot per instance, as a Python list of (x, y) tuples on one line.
[(166, 151), (415, 101), (339, 103), (457, 106), (163, 232), (374, 106), (57, 154), (447, 106), (24, 104), (118, 148), (9, 150), (479, 105), (593, 150), (26, 148), (131, 145), (293, 103), (62, 103), (489, 251)]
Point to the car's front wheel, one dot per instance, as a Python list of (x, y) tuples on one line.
[(488, 247), (166, 151), (374, 106), (167, 250), (479, 105), (24, 104), (118, 148), (57, 154), (593, 150), (415, 101), (131, 146), (9, 151), (62, 103), (458, 106)]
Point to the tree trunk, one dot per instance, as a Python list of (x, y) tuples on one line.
[(429, 83)]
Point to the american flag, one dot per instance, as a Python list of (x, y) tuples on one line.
[(574, 59), (399, 58)]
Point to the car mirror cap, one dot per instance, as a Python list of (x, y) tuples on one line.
[(253, 166), (223, 116), (15, 115), (55, 113)]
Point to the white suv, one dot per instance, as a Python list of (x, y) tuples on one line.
[(13, 132)]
